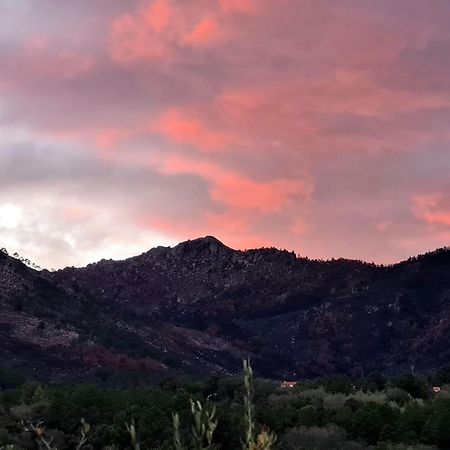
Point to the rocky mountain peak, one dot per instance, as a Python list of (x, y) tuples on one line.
[(201, 306), (204, 245)]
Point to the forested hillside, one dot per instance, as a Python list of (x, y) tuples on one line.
[(201, 307)]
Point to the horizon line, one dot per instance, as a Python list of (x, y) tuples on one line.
[(298, 256)]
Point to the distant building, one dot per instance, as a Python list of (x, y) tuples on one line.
[(436, 389), (289, 384)]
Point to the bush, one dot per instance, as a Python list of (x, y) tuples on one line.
[(316, 438), (413, 386), (397, 395)]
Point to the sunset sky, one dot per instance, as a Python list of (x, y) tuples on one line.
[(320, 126)]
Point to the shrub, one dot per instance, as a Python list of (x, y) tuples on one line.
[(399, 396), (315, 438)]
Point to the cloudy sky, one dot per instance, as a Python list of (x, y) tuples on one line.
[(320, 126)]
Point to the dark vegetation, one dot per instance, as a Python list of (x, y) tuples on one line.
[(125, 344), (200, 307), (325, 414)]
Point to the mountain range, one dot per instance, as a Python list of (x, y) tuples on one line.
[(200, 307)]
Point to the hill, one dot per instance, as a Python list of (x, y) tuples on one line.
[(201, 306)]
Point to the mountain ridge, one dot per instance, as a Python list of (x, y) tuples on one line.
[(200, 306), (212, 240), (208, 239)]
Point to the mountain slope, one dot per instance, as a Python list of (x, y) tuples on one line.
[(201, 306)]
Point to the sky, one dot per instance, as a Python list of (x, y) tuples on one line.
[(318, 126)]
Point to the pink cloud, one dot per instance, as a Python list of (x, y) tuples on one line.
[(238, 192), (384, 226), (229, 223), (151, 32), (108, 138), (75, 215), (306, 124), (184, 129), (233, 233), (159, 29), (299, 227), (130, 41), (159, 15), (40, 58), (240, 6), (290, 112), (433, 209), (205, 32)]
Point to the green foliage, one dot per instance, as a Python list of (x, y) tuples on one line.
[(217, 414), (369, 421), (330, 437), (265, 439), (204, 426), (414, 386), (399, 396), (202, 431), (205, 422)]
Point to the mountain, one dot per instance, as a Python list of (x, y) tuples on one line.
[(201, 306)]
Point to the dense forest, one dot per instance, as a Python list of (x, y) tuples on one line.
[(328, 413)]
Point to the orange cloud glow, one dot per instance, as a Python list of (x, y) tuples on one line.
[(204, 33), (130, 41), (431, 209), (239, 192), (318, 126), (160, 28), (158, 15), (181, 128)]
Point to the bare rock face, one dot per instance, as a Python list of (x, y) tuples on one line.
[(201, 306)]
